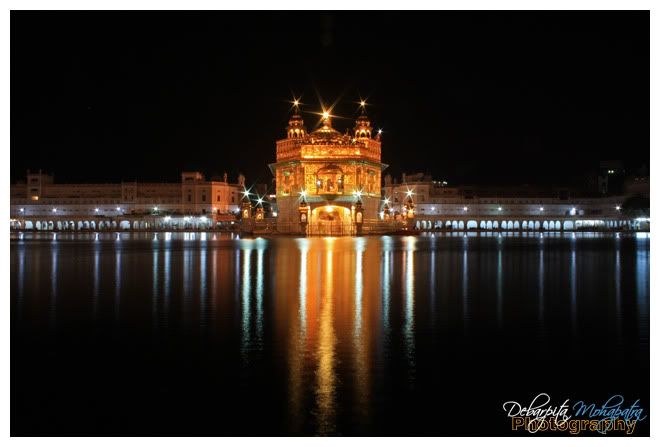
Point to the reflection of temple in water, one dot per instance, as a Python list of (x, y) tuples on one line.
[(328, 182)]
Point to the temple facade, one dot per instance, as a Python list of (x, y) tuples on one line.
[(328, 183)]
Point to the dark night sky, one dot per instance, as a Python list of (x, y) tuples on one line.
[(468, 97)]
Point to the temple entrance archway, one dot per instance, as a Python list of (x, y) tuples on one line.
[(330, 220)]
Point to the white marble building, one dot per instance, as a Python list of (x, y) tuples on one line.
[(39, 203)]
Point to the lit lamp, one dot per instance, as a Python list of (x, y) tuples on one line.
[(359, 211), (386, 211), (259, 210), (303, 212), (246, 207), (411, 208)]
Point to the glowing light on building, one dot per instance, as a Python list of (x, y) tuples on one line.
[(167, 218), (96, 210), (465, 208), (499, 208), (54, 210), (541, 209)]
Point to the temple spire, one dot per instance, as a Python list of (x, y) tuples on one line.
[(296, 128), (362, 124)]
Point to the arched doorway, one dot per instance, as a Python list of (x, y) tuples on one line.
[(330, 220)]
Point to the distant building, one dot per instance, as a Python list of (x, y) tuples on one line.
[(41, 203), (440, 206), (611, 177)]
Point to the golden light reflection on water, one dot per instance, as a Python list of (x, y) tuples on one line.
[(328, 326), (325, 371), (338, 303)]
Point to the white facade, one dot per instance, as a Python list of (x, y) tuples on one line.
[(438, 206), (40, 204)]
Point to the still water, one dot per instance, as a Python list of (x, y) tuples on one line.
[(208, 334)]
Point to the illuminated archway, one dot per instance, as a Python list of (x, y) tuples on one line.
[(330, 220)]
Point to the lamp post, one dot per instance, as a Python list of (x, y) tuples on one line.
[(359, 212), (303, 212), (259, 212), (386, 212), (246, 208), (410, 213)]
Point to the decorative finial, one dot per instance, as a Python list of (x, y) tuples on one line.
[(363, 106), (296, 106)]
